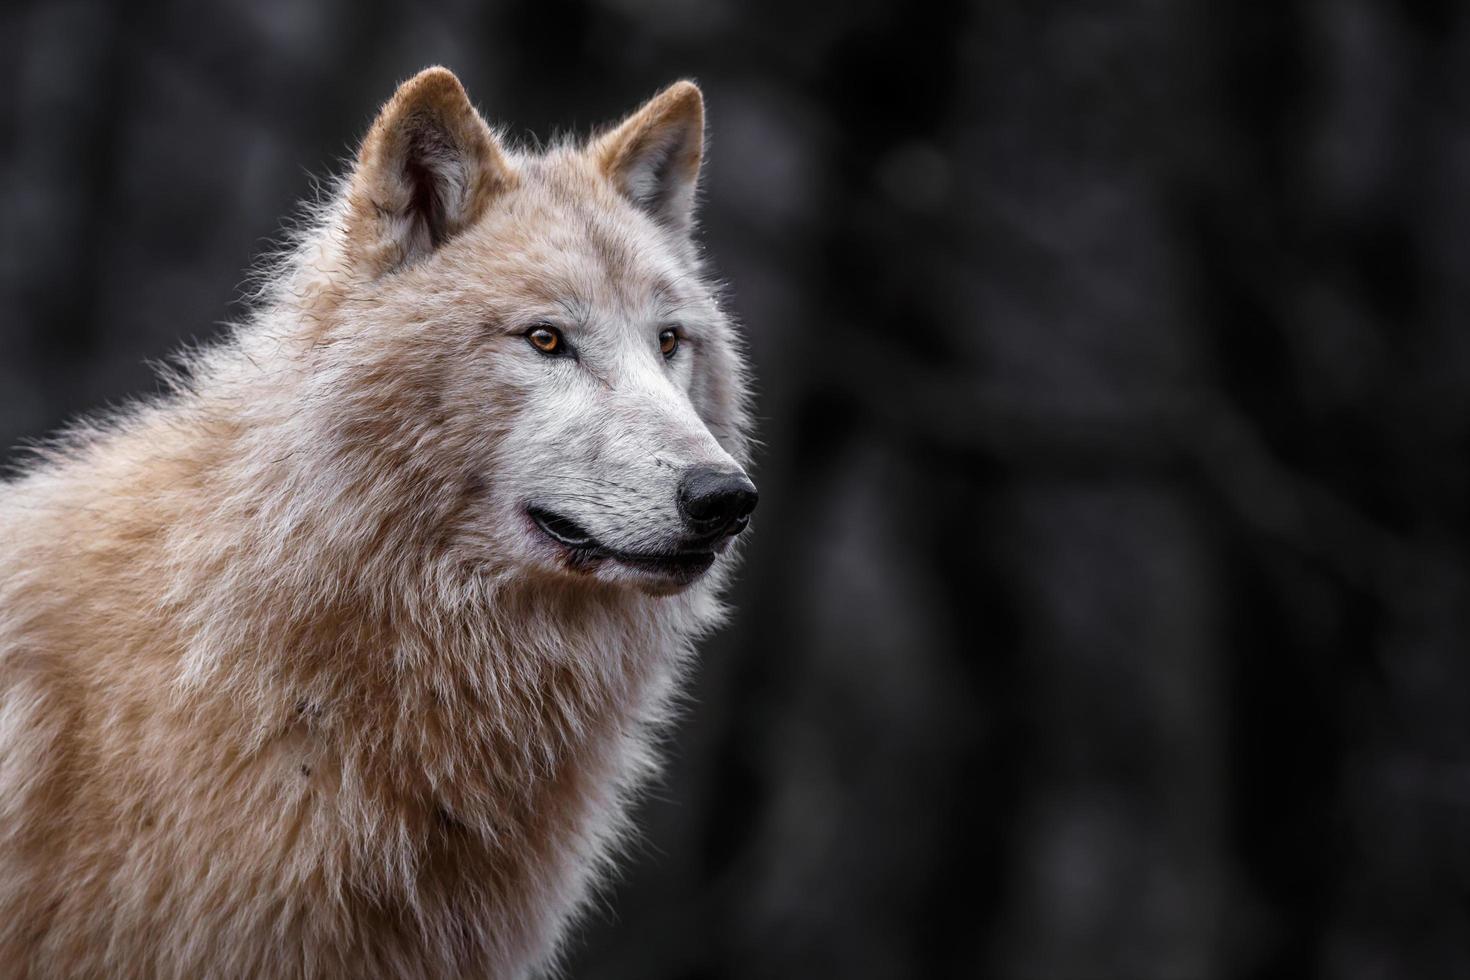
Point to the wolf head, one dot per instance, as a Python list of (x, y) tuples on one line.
[(530, 334)]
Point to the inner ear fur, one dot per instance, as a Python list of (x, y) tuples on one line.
[(653, 156), (427, 170)]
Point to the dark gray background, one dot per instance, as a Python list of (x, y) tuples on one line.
[(1105, 614)]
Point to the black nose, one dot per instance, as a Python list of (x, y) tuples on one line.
[(716, 501)]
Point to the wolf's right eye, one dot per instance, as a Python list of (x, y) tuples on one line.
[(547, 340)]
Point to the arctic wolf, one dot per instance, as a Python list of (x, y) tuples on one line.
[(342, 659)]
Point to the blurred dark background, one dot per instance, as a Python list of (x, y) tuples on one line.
[(1106, 613)]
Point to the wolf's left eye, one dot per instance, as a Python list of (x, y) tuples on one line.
[(547, 340), (668, 342)]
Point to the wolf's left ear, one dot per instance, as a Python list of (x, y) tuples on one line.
[(427, 170), (653, 156)]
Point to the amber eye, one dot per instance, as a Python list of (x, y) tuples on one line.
[(546, 339), (668, 341)]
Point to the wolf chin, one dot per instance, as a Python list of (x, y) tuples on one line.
[(343, 657)]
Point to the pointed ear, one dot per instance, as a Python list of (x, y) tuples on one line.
[(427, 170), (653, 156)]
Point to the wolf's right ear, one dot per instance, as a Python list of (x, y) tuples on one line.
[(427, 170)]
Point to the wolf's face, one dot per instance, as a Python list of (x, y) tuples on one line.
[(599, 358), (572, 375)]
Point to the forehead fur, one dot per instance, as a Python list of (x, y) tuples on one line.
[(563, 235), (566, 204)]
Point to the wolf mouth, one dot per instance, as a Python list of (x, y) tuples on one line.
[(584, 548)]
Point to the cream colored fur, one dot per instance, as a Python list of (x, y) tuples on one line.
[(289, 684)]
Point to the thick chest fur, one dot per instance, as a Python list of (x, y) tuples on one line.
[(433, 822)]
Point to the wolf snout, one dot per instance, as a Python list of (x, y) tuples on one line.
[(716, 502)]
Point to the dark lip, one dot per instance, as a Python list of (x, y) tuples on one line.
[(584, 548)]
